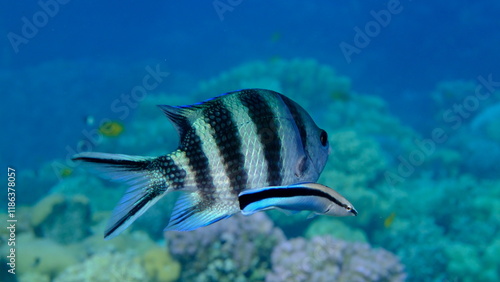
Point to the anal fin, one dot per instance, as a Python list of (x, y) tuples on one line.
[(191, 213)]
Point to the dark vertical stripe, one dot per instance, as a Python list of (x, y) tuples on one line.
[(297, 118), (174, 174), (267, 128), (299, 122), (228, 140), (199, 164)]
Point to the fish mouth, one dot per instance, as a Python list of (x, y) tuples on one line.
[(354, 212)]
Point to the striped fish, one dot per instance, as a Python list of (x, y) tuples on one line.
[(305, 196), (237, 141)]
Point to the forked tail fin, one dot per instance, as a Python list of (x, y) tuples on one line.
[(143, 174)]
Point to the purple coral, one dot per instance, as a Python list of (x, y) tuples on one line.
[(233, 249), (327, 259)]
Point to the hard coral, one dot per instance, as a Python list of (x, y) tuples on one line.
[(327, 259), (63, 219), (296, 78), (42, 256), (237, 248), (358, 158), (160, 265), (113, 267), (335, 228)]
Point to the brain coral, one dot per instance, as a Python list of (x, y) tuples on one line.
[(327, 259)]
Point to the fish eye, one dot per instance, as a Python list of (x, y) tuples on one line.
[(348, 208), (323, 138)]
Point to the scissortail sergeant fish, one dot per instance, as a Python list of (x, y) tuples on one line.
[(234, 142), (299, 197)]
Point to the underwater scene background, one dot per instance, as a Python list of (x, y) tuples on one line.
[(408, 92)]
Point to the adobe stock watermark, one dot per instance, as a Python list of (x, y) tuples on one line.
[(223, 6), (31, 26), (371, 29), (121, 106), (454, 117)]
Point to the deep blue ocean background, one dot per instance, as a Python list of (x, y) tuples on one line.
[(79, 61), (423, 45)]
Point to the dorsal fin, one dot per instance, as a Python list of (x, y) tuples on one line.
[(179, 115)]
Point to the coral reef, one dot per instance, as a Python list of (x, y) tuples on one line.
[(138, 241), (441, 248), (335, 228), (62, 219), (326, 259), (236, 249), (297, 78), (43, 178), (355, 159), (160, 266), (42, 256), (442, 220), (103, 195), (105, 266), (486, 123)]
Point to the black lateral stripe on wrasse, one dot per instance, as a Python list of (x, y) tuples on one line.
[(267, 128), (228, 142), (125, 164), (199, 164), (171, 171), (137, 207), (249, 198)]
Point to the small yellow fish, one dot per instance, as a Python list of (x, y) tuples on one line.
[(111, 128), (389, 220), (65, 172)]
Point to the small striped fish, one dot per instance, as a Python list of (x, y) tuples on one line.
[(238, 141), (299, 197)]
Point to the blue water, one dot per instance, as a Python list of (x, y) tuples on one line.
[(63, 62), (423, 45)]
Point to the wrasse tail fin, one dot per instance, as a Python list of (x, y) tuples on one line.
[(145, 190), (189, 214)]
